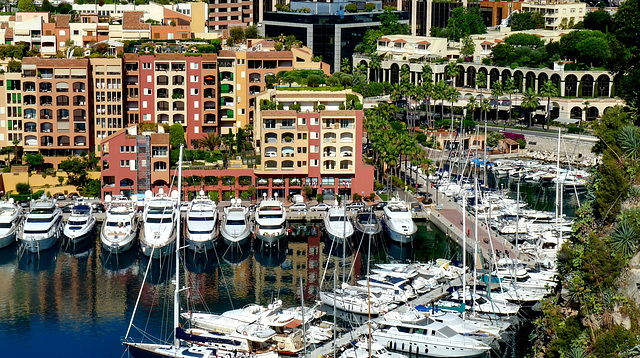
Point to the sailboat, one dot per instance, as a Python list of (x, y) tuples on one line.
[(177, 348)]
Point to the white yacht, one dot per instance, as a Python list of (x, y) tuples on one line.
[(361, 350), (120, 228), (398, 221), (201, 228), (159, 223), (356, 302), (234, 227), (271, 217), (80, 224), (42, 227), (337, 224), (10, 219), (433, 340)]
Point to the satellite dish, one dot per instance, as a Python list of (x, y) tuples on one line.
[(107, 198), (233, 201), (11, 201), (174, 194), (161, 191), (264, 195), (201, 192), (148, 194), (239, 201), (275, 195)]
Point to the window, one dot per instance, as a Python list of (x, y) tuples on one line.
[(124, 163), (146, 117), (315, 121), (302, 121), (196, 129), (315, 135), (314, 162), (302, 163), (144, 105), (302, 136), (196, 117), (194, 91), (315, 149), (149, 79), (62, 32), (302, 150), (196, 104), (328, 181), (122, 149), (193, 79), (146, 65), (76, 32), (193, 65), (147, 91)]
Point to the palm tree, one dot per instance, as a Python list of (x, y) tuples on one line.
[(548, 90), (625, 238), (426, 75), (472, 104), (484, 106), (15, 148), (375, 64), (629, 141), (210, 140), (439, 91), (530, 101), (452, 96), (453, 71), (481, 80), (509, 87), (345, 65), (496, 92)]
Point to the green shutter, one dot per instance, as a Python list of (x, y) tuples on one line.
[(13, 97), (98, 147), (9, 84), (229, 113), (225, 88), (232, 76), (19, 97), (10, 122), (19, 111)]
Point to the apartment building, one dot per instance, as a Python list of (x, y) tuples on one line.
[(108, 103), (321, 147), (557, 14), (133, 161), (225, 14), (55, 105)]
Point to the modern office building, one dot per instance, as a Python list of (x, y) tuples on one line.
[(325, 27), (557, 14)]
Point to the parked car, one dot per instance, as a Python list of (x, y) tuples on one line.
[(416, 207), (67, 208), (298, 207), (356, 205), (98, 207), (381, 205), (60, 196), (74, 196), (319, 207), (24, 203)]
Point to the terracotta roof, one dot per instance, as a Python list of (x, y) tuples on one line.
[(400, 40), (510, 141), (539, 35), (384, 39), (280, 55), (498, 40), (132, 20), (62, 21), (170, 56), (487, 43), (9, 33), (226, 53), (12, 18), (424, 43), (56, 62)]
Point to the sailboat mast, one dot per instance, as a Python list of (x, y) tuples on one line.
[(368, 283), (558, 184), (304, 326), (464, 253), (176, 298), (475, 247), (335, 314)]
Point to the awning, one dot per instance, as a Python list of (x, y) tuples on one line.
[(78, 72), (294, 323), (61, 71), (28, 67), (567, 120)]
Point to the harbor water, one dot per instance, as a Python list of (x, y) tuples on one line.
[(78, 302)]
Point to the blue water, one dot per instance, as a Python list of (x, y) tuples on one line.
[(78, 302)]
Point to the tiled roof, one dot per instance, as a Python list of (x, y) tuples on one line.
[(400, 40), (62, 21), (132, 20), (486, 43), (424, 43)]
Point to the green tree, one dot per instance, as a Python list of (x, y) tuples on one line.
[(270, 80), (236, 34), (34, 160), (376, 65), (509, 88), (345, 65), (467, 47), (494, 138), (548, 90), (210, 141), (496, 92), (92, 188), (464, 22), (598, 20), (176, 135), (390, 24), (530, 102), (46, 6), (612, 187), (629, 141), (481, 80), (608, 128), (22, 188), (26, 5), (251, 32), (527, 21)]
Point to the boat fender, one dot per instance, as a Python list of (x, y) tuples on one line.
[(245, 333), (280, 345)]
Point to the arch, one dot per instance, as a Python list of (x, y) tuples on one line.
[(178, 118), (64, 140), (46, 127), (46, 114), (79, 87), (29, 86), (162, 106), (126, 182), (329, 151), (30, 127), (555, 78), (518, 77), (395, 74), (227, 76), (178, 106), (288, 151), (178, 80), (460, 77), (287, 164), (471, 77), (177, 91), (45, 86), (63, 114), (254, 90), (271, 138), (287, 137), (483, 70), (209, 118), (542, 78), (46, 140), (494, 76), (329, 164), (79, 101), (346, 151), (79, 141), (29, 100), (46, 100), (30, 113), (530, 81), (607, 109), (506, 74), (602, 85), (571, 86), (329, 137), (160, 166), (576, 112), (79, 114), (364, 63), (159, 182), (62, 87), (592, 113), (162, 93), (31, 140), (209, 106), (346, 164), (271, 164), (162, 80), (271, 152), (346, 137), (586, 85), (163, 118), (555, 111)]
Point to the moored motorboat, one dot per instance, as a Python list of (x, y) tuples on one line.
[(159, 223), (10, 219), (398, 221), (80, 224), (270, 221), (201, 227), (367, 223), (42, 226), (234, 226), (120, 228), (337, 225)]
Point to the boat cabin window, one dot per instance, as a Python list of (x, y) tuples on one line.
[(481, 300), (447, 331), (41, 211), (235, 222), (420, 331), (164, 220), (5, 225), (270, 227), (37, 232), (159, 210), (82, 222), (116, 224), (404, 329), (38, 220), (270, 216), (337, 218), (201, 218), (367, 219)]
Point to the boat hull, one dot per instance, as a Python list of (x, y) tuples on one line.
[(76, 237), (336, 238), (120, 246), (201, 246), (270, 239), (439, 349), (399, 237), (235, 240), (8, 238), (160, 251), (39, 244), (349, 306), (143, 350)]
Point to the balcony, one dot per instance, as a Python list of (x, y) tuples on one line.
[(162, 93), (209, 81), (79, 87), (177, 67), (163, 80), (178, 80), (162, 67)]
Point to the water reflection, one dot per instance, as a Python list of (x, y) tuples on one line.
[(159, 270), (35, 262), (118, 263), (200, 262), (236, 254), (270, 255)]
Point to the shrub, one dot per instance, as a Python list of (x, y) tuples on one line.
[(357, 197), (522, 143), (214, 195), (320, 198), (22, 188), (351, 7), (369, 6), (573, 129)]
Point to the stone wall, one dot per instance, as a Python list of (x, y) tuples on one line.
[(573, 148)]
